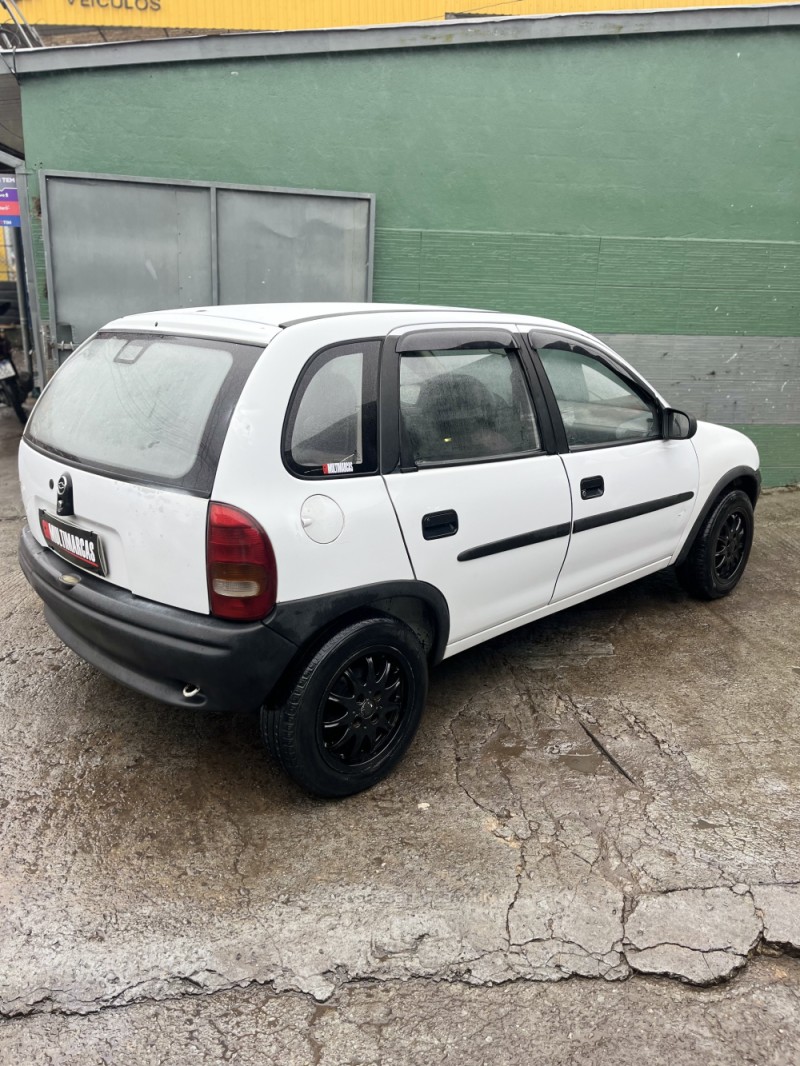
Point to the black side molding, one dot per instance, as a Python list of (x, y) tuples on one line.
[(622, 513), (536, 536)]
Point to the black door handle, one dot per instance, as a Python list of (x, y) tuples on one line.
[(439, 524), (591, 488)]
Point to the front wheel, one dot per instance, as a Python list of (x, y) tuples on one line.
[(353, 709), (719, 555)]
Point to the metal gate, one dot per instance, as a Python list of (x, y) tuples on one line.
[(118, 245)]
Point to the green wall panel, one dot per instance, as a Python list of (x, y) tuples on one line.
[(645, 185), (671, 135), (605, 285), (779, 448)]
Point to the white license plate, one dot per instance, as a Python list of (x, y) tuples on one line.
[(6, 369)]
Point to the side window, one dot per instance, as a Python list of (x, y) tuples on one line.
[(331, 428), (597, 405), (465, 404)]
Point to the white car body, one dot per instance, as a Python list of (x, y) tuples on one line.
[(335, 535)]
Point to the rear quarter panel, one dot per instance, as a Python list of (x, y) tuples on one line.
[(251, 475)]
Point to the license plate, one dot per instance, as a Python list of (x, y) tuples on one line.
[(79, 546), (6, 369)]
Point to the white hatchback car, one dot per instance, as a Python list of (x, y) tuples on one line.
[(303, 507)]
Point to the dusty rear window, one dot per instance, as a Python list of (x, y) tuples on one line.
[(152, 408)]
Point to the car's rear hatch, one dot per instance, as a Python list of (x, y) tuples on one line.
[(126, 438)]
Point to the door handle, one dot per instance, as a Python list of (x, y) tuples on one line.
[(439, 524), (591, 488)]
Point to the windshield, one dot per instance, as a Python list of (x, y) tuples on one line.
[(152, 407)]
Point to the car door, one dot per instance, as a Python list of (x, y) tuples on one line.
[(632, 490), (469, 461)]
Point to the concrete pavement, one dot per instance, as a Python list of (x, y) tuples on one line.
[(607, 794)]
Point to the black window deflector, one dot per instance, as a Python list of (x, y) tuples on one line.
[(441, 340), (540, 341)]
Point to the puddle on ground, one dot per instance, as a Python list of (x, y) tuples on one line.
[(584, 764), (503, 744)]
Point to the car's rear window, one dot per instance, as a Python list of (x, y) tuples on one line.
[(147, 408)]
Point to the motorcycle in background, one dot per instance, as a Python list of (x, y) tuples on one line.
[(13, 387)]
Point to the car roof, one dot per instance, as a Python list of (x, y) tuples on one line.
[(259, 323)]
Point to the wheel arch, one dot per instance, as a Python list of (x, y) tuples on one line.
[(308, 623), (741, 477)]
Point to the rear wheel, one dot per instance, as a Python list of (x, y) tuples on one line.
[(719, 555), (352, 710)]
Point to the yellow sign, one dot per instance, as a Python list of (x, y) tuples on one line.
[(312, 14)]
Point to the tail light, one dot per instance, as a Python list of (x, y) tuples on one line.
[(240, 562)]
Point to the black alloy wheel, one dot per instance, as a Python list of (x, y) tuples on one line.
[(364, 707), (350, 711), (729, 550), (721, 547)]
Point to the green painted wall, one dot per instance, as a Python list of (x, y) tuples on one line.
[(643, 185), (606, 285), (779, 449), (659, 136)]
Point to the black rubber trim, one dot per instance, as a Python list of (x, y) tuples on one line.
[(623, 513), (156, 649), (547, 407), (389, 428), (298, 621), (153, 648), (732, 475), (522, 540)]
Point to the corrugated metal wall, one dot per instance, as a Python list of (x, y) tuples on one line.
[(305, 14)]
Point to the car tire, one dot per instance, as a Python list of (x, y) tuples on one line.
[(352, 710), (719, 554)]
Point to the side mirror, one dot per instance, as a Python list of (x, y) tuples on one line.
[(678, 425)]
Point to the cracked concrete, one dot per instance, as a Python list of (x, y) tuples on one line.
[(415, 1023), (701, 934), (610, 792)]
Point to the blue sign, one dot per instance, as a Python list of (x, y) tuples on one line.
[(9, 202)]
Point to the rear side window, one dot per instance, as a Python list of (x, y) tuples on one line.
[(465, 405), (150, 408), (331, 429)]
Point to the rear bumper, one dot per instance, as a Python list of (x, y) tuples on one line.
[(153, 648)]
